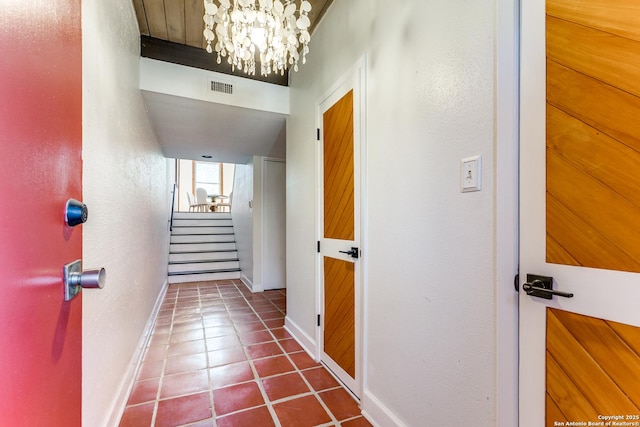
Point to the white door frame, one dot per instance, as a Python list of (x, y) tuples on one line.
[(507, 227), (356, 79)]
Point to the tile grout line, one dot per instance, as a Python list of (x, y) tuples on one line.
[(165, 356), (265, 397), (313, 391), (206, 347), (256, 377), (308, 384), (163, 372), (236, 303)]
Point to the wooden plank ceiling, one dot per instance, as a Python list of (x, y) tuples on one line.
[(171, 30)]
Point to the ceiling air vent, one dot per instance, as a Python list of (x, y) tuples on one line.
[(222, 87)]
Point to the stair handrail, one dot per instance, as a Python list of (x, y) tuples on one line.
[(173, 202)]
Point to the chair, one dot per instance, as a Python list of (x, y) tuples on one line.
[(193, 205), (201, 200), (225, 205)]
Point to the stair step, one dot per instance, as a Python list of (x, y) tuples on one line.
[(202, 248), (200, 261), (178, 230), (222, 270), (202, 277), (222, 222), (176, 248), (202, 238), (202, 256), (201, 215), (194, 267)]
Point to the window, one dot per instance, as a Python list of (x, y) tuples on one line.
[(207, 175)]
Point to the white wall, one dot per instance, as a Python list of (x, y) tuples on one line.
[(430, 296), (159, 76), (127, 184), (185, 183), (243, 219), (260, 235), (228, 174), (273, 218), (268, 224), (258, 268)]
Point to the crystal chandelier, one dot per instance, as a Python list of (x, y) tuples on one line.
[(268, 27)]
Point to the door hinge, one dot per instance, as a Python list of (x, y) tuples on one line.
[(318, 320), (318, 246), (318, 134)]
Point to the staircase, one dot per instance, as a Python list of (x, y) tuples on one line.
[(202, 248)]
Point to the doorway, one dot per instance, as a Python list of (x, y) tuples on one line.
[(578, 317), (340, 284), (215, 177)]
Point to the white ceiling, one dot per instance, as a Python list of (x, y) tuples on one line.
[(190, 128)]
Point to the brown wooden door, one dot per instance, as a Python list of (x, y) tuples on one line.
[(340, 232), (580, 212), (339, 277)]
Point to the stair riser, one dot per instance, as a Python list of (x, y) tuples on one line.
[(202, 223), (201, 215), (201, 247), (203, 266), (204, 245), (204, 256), (204, 238), (187, 278), (177, 231)]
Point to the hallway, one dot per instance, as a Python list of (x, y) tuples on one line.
[(219, 356)]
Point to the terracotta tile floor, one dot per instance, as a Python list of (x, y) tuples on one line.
[(219, 356)]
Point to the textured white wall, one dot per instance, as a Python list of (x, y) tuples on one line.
[(258, 267), (243, 218), (430, 297), (185, 183), (249, 224), (273, 220), (162, 77), (228, 174), (126, 187)]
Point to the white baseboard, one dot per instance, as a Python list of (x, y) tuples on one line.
[(136, 360), (377, 413), (372, 409), (307, 343), (249, 284)]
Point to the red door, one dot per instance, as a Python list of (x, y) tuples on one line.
[(40, 168)]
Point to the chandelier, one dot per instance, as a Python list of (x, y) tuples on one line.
[(268, 30)]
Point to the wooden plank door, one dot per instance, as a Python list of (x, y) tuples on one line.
[(40, 169), (340, 241), (339, 271), (580, 212)]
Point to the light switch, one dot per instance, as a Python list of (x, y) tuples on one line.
[(471, 174)]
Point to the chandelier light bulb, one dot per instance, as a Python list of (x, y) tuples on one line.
[(267, 29)]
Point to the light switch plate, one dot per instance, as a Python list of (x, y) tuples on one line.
[(471, 174)]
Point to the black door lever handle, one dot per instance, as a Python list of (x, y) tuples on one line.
[(542, 287), (354, 252)]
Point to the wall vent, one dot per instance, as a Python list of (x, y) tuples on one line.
[(222, 87)]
